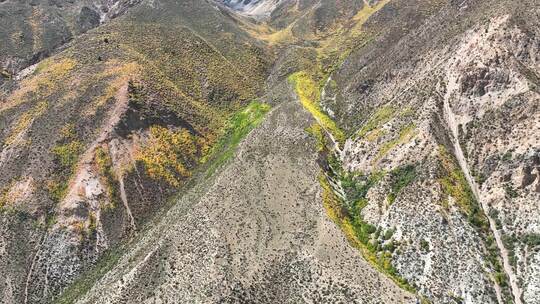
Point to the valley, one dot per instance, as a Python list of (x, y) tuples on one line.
[(291, 151)]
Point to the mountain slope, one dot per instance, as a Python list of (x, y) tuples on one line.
[(31, 30), (462, 85), (391, 156), (97, 137), (223, 242)]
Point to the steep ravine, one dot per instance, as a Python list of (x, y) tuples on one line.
[(452, 125)]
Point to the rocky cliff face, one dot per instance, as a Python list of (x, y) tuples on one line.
[(391, 153)]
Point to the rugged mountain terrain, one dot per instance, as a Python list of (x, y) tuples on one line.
[(162, 151), (96, 137)]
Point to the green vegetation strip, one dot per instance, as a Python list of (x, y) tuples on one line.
[(374, 244), (82, 285), (382, 116), (309, 94), (238, 127), (405, 135), (454, 184)]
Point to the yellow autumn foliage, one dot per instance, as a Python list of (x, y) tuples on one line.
[(169, 154)]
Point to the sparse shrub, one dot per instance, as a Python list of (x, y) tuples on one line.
[(135, 92), (507, 156), (4, 199), (479, 177), (512, 258), (498, 223), (317, 132), (509, 241), (424, 245), (68, 132), (500, 278), (361, 234), (25, 121), (401, 178), (390, 247), (510, 191), (532, 239), (4, 73), (57, 189), (66, 155), (331, 203), (388, 234)]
